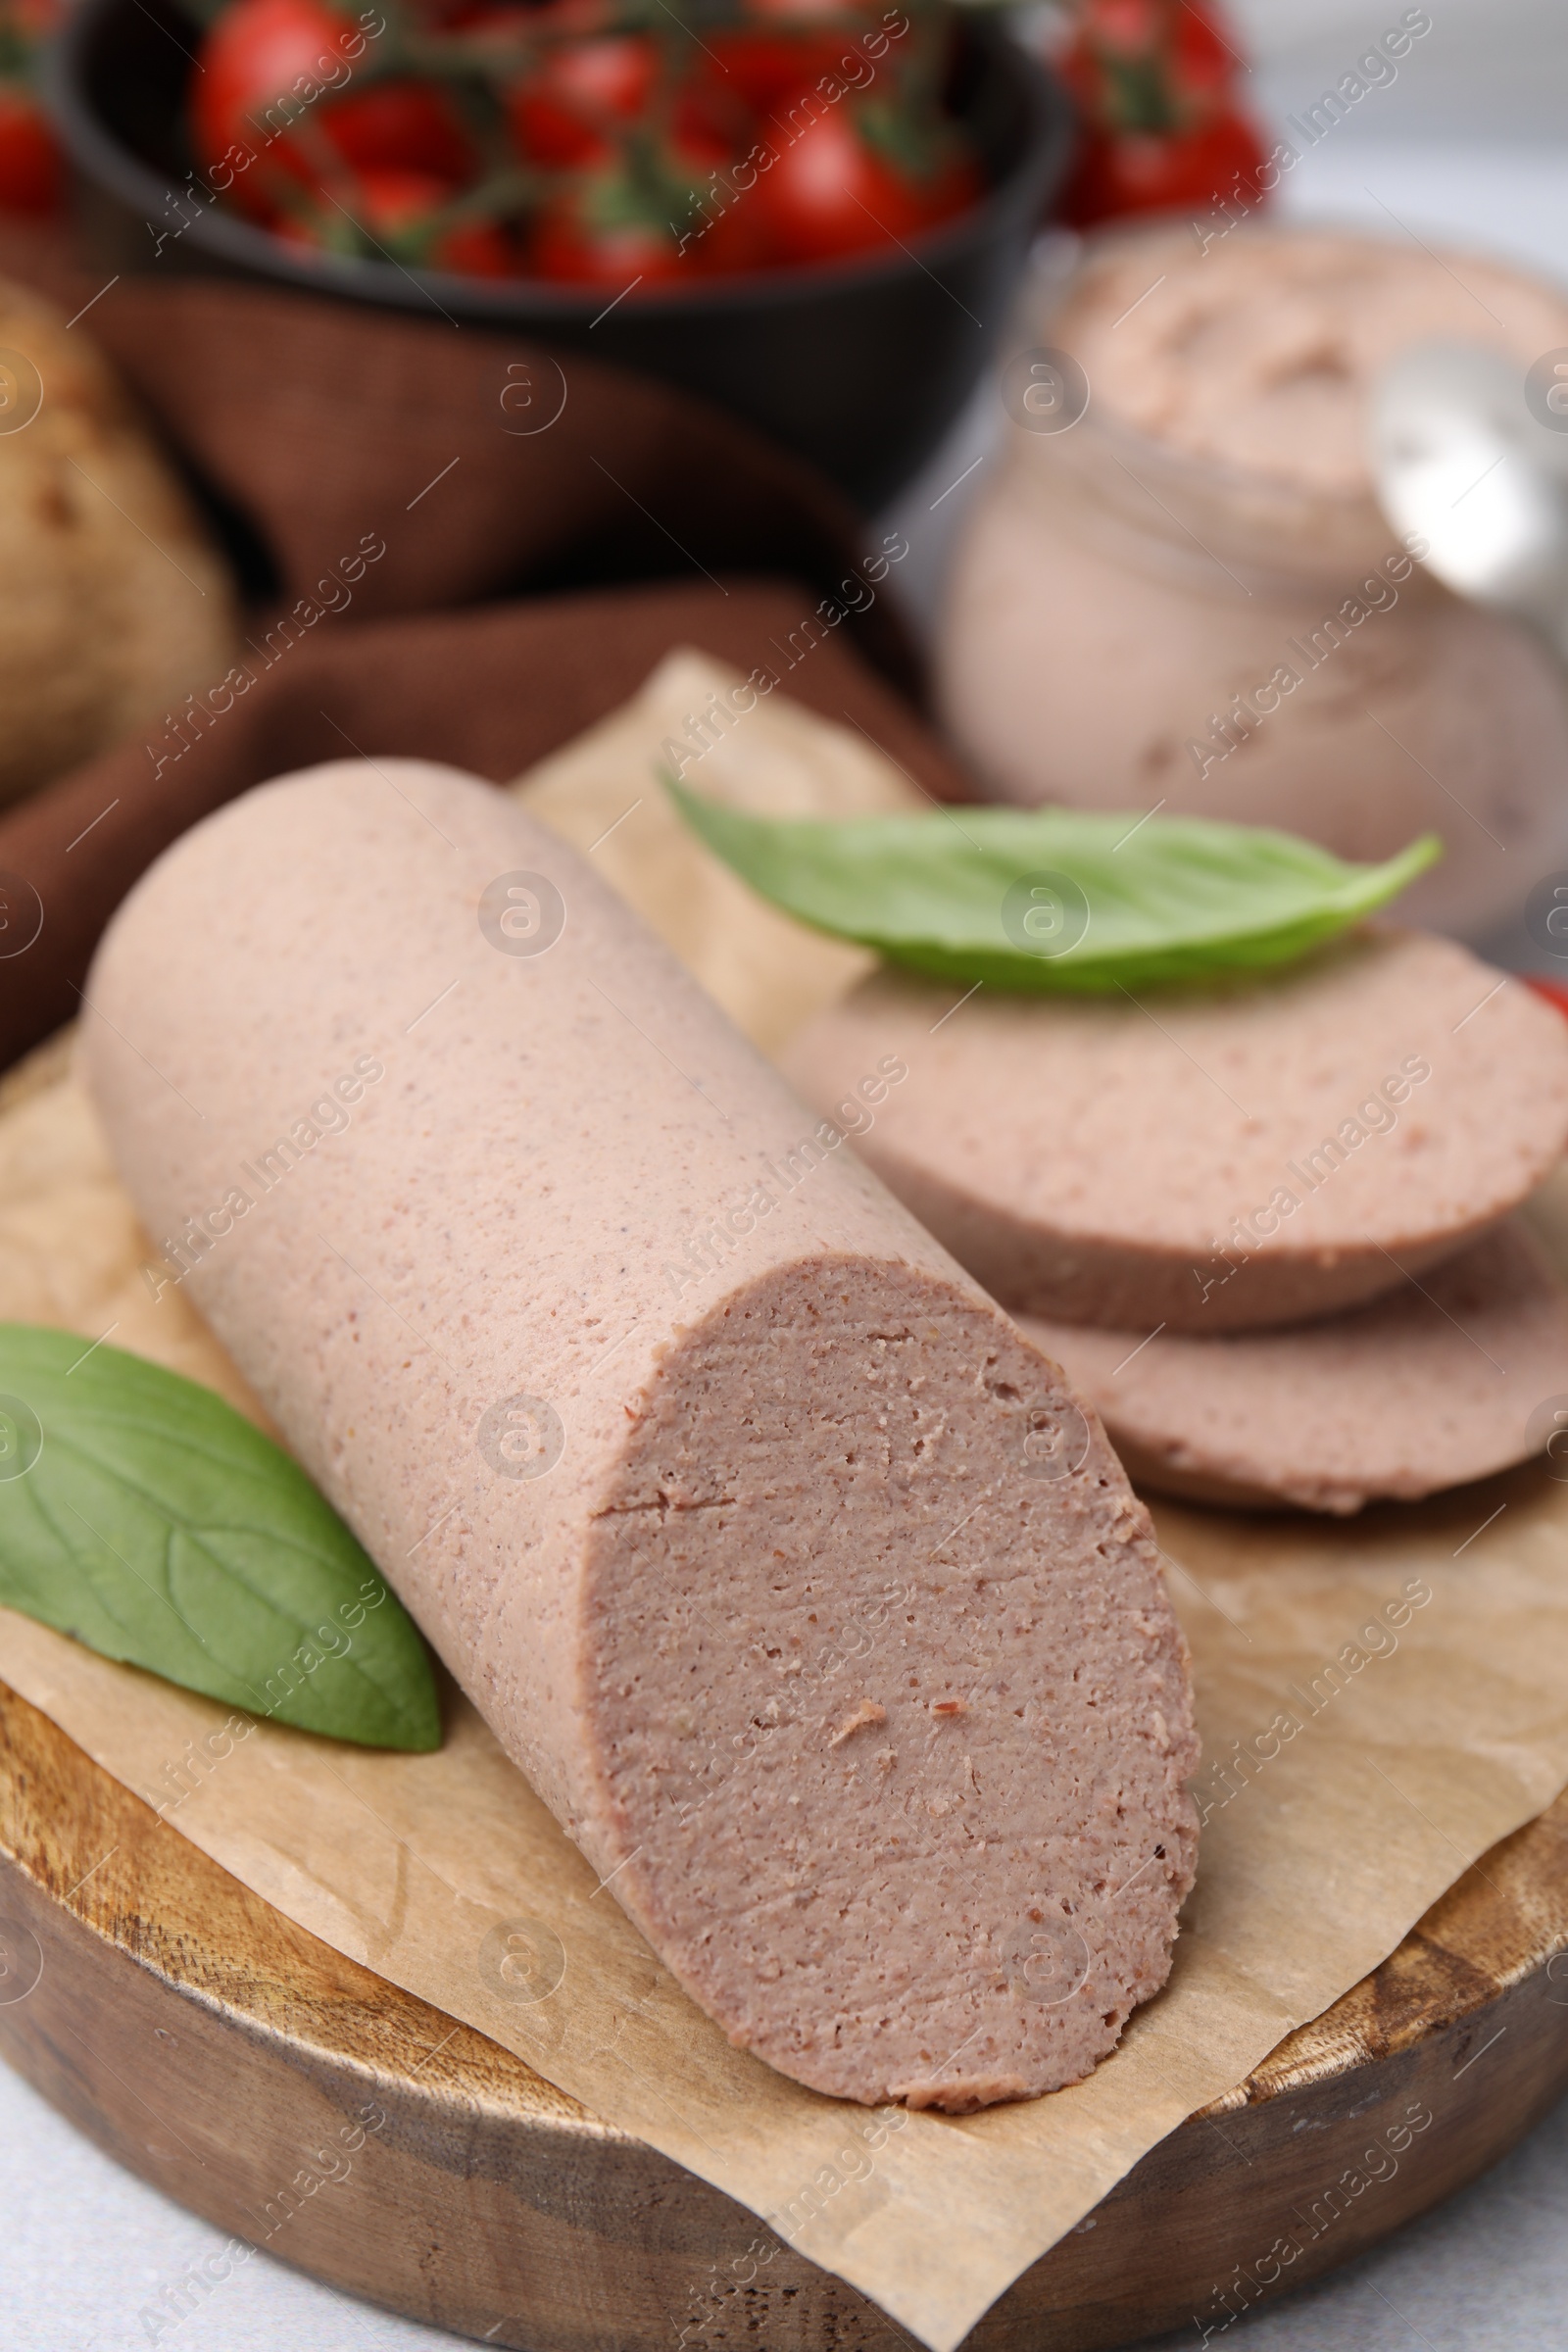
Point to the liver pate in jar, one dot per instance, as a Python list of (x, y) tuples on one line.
[(1190, 598)]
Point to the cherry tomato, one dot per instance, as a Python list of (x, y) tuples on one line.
[(251, 59), (591, 237), (391, 201), (396, 207), (1154, 81), (477, 249), (398, 204), (1132, 26), (764, 66), (566, 111), (1205, 58), (1185, 39), (829, 192), (399, 127), (1555, 992), (1136, 174), (667, 213), (724, 227), (32, 20), (31, 176), (32, 168)]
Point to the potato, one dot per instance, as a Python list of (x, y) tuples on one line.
[(114, 601)]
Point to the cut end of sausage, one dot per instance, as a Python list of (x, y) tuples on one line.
[(893, 1711)]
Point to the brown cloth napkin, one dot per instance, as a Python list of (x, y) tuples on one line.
[(380, 478)]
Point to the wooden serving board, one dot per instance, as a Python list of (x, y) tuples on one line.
[(299, 2102)]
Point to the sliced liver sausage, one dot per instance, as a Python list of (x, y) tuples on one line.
[(1213, 1159), (1421, 1389), (796, 1580)]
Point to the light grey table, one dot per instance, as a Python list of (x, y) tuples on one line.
[(86, 2251), (1461, 147)]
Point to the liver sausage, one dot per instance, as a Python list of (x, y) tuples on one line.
[(1211, 1159), (800, 1586)]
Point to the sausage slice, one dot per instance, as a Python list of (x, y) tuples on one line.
[(1211, 1159), (1429, 1387)]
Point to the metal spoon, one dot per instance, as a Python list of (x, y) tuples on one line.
[(1464, 455)]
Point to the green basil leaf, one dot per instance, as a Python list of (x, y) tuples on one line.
[(1053, 899), (142, 1515)]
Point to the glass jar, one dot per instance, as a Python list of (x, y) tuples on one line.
[(1136, 624)]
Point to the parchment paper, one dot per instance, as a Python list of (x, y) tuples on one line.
[(1380, 1703)]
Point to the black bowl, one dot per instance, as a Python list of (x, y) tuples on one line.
[(859, 366)]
